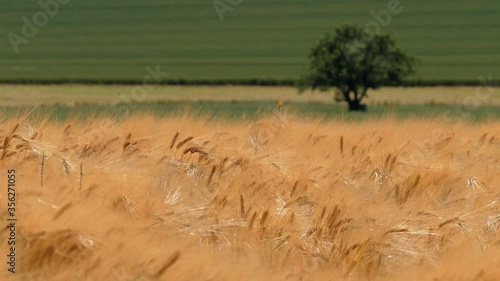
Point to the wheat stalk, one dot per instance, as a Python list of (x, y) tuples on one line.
[(184, 142), (81, 175), (168, 264), (174, 139), (342, 146), (42, 164)]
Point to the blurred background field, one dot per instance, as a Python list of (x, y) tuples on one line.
[(13, 95), (262, 39), (254, 109), (63, 101)]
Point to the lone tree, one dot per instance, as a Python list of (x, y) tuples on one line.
[(353, 61)]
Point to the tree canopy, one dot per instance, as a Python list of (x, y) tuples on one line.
[(353, 61)]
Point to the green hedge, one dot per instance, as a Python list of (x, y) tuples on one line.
[(220, 82)]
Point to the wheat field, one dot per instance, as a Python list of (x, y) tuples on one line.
[(276, 198)]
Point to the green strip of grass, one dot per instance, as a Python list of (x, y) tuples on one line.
[(223, 82), (252, 109)]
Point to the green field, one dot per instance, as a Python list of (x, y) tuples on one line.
[(252, 109), (262, 39), (62, 101), (69, 94)]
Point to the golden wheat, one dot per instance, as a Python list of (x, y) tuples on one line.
[(270, 199)]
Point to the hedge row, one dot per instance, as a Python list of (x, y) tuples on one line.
[(221, 82)]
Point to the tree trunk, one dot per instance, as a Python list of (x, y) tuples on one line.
[(355, 101), (355, 105)]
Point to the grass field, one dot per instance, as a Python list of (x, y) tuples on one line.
[(17, 95), (266, 39), (220, 110), (63, 101), (276, 198)]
